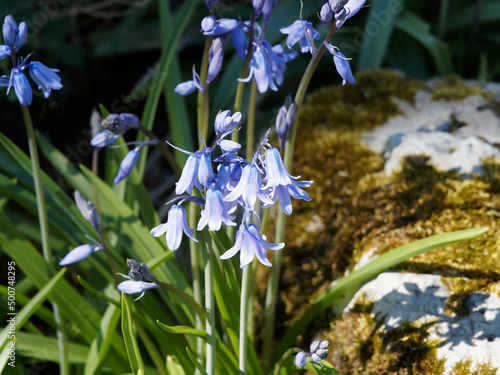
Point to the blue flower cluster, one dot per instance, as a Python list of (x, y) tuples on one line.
[(226, 181), (318, 352), (268, 63), (46, 78)]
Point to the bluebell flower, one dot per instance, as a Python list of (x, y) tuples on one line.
[(318, 352), (268, 8), (215, 59), (13, 35), (225, 122), (301, 32), (282, 183), (343, 10), (250, 243), (127, 165), (130, 160), (4, 51), (139, 272), (261, 67), (249, 188), (219, 27), (341, 64), (46, 78), (215, 212), (113, 127), (79, 253), (135, 287), (300, 359), (280, 58), (284, 120), (188, 87), (240, 42), (197, 171), (326, 14), (88, 211), (22, 87), (174, 227)]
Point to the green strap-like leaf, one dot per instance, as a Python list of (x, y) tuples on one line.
[(15, 321), (182, 330), (352, 282), (133, 353)]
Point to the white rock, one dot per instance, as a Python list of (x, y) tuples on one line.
[(421, 298), (429, 127), (446, 151)]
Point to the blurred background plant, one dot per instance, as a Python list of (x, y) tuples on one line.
[(89, 40)]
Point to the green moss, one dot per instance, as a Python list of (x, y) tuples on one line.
[(452, 87), (465, 367), (355, 208)]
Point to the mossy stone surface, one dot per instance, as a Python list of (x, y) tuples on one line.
[(356, 208)]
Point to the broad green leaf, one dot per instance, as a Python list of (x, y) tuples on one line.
[(378, 32), (22, 300), (173, 367), (102, 341), (418, 29), (29, 309), (17, 320), (195, 362), (133, 353), (350, 284), (45, 349), (182, 330)]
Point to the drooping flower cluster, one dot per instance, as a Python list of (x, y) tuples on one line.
[(112, 128), (44, 77), (318, 352), (140, 279), (227, 181)]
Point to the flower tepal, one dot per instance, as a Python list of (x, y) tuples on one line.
[(174, 227), (250, 243)]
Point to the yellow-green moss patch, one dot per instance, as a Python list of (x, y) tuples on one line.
[(355, 208)]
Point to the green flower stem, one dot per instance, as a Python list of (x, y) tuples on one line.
[(195, 271), (203, 100), (167, 154), (44, 232), (272, 288), (251, 121), (244, 309), (186, 297), (209, 305)]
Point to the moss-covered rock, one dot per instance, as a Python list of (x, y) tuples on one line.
[(356, 208)]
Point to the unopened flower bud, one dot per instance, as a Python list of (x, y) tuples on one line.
[(326, 15)]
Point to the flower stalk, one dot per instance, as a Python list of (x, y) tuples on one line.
[(44, 232)]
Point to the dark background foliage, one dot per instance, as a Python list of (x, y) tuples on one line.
[(105, 48)]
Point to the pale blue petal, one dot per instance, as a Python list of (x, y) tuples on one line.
[(77, 254)]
